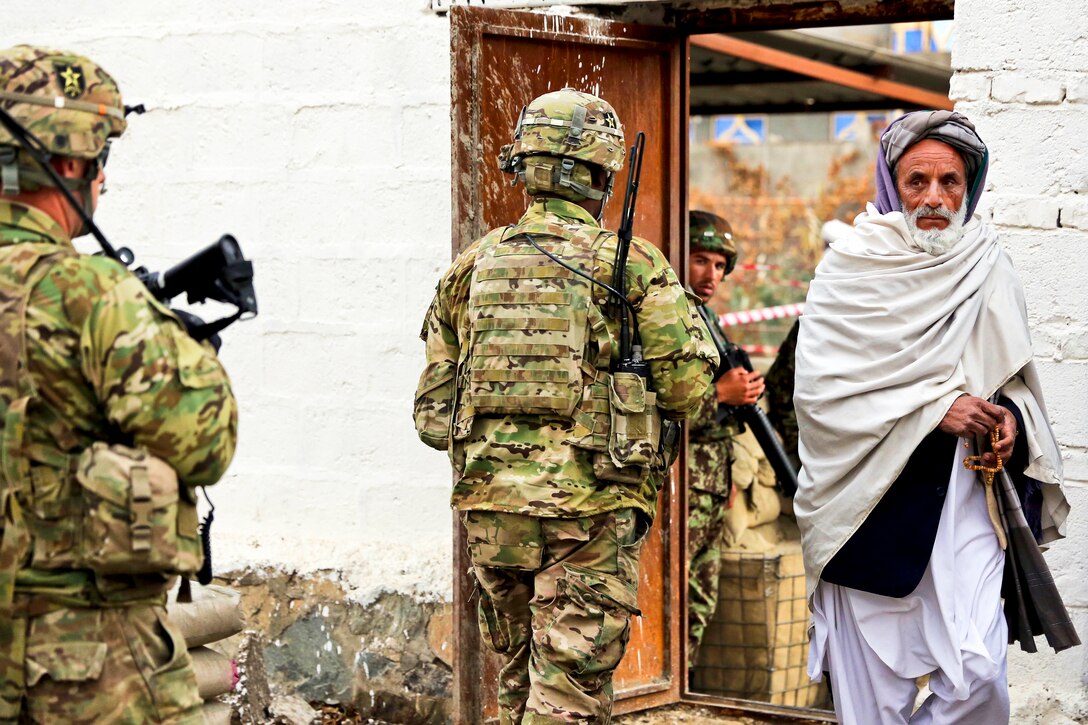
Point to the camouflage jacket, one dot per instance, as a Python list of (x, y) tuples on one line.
[(108, 363), (780, 394), (524, 463), (710, 445)]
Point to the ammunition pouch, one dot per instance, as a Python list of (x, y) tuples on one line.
[(619, 423), (133, 518)]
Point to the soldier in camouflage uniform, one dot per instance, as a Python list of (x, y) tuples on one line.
[(713, 254), (558, 454), (105, 404), (780, 395)]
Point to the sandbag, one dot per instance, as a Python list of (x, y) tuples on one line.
[(214, 614), (216, 713), (215, 674)]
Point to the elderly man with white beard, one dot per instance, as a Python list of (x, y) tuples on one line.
[(914, 345)]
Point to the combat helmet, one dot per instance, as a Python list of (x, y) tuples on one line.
[(558, 138), (66, 101), (712, 233)]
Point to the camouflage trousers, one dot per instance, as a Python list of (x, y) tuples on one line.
[(556, 598), (706, 522), (117, 665)]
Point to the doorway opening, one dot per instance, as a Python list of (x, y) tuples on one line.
[(784, 130), (774, 128)]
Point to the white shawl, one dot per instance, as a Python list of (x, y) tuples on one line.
[(891, 336)]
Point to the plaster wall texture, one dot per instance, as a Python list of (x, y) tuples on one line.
[(318, 133), (1021, 74)]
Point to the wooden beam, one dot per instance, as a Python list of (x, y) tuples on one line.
[(717, 16), (770, 109), (821, 71)]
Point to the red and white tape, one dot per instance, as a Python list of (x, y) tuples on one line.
[(778, 312), (765, 350)]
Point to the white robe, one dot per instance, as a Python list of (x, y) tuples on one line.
[(891, 336), (952, 626)]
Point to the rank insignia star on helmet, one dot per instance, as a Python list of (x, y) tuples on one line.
[(72, 79)]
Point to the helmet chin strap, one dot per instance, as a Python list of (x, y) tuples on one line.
[(607, 195)]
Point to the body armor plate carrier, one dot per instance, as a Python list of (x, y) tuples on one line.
[(539, 345)]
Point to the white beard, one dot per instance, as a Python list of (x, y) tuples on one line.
[(936, 241)]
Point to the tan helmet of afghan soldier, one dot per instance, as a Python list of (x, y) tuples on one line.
[(712, 233), (561, 141), (69, 104)]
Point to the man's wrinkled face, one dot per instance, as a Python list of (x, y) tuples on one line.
[(705, 272), (931, 179)]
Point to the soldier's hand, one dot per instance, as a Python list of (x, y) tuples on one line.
[(970, 416), (740, 387)]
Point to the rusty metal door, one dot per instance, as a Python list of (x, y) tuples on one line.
[(500, 61)]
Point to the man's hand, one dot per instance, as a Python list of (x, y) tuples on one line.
[(970, 416), (740, 387)]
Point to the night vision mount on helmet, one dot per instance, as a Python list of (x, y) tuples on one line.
[(559, 139)]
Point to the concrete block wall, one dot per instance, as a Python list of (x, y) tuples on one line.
[(1021, 74), (318, 133)]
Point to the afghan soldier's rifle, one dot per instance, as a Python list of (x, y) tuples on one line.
[(219, 272), (751, 415)]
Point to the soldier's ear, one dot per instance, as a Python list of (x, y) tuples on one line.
[(69, 167)]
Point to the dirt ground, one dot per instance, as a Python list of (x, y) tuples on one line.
[(694, 715)]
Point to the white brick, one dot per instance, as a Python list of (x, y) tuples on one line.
[(1076, 465), (1035, 212), (969, 87), (1074, 213), (1026, 88), (1064, 386), (1076, 88), (1020, 35), (1032, 148)]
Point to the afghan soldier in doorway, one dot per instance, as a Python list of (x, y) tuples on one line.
[(110, 415), (558, 454), (710, 484)]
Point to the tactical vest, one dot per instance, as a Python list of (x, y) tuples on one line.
[(539, 345), (107, 508)]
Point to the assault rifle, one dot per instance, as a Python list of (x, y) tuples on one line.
[(751, 415), (219, 272)]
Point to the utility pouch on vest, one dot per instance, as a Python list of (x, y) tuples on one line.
[(135, 518), (636, 429)]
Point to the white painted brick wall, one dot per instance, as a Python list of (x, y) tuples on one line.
[(317, 132), (1032, 117)]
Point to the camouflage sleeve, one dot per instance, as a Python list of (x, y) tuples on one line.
[(157, 385), (705, 413), (675, 340), (434, 394)]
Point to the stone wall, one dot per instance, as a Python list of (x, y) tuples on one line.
[(1021, 73)]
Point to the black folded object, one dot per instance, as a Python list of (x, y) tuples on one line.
[(1033, 605)]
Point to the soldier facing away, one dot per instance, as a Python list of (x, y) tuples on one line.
[(110, 414), (558, 455), (710, 440)]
